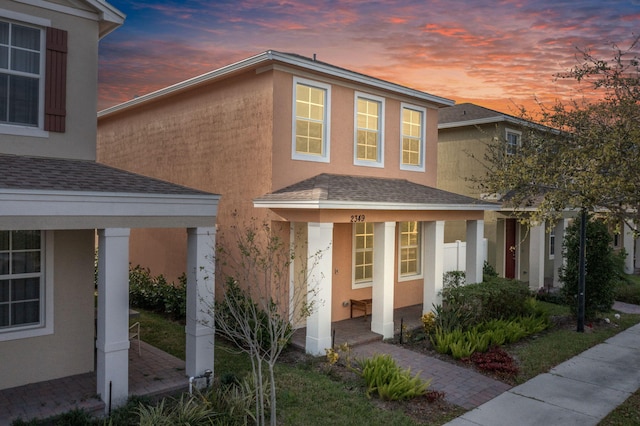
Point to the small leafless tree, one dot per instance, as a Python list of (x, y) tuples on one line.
[(258, 305)]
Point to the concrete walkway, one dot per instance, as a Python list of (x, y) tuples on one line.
[(580, 391)]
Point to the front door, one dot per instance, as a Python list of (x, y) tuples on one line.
[(510, 249)]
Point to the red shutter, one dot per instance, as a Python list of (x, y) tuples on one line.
[(55, 87)]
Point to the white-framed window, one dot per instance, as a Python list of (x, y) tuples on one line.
[(410, 250), (513, 139), (26, 284), (362, 254), (552, 244), (413, 137), (311, 127), (369, 130), (22, 67)]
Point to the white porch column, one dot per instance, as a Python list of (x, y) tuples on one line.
[(433, 264), (383, 278), (628, 241), (320, 240), (558, 256), (200, 298), (536, 256), (475, 255), (112, 343)]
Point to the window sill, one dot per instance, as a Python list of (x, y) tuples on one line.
[(6, 129)]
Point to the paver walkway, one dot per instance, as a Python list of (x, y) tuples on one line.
[(462, 386)]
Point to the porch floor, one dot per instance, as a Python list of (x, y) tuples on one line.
[(154, 373), (357, 331)]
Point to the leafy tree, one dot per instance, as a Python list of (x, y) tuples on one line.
[(580, 154), (257, 307), (604, 267)]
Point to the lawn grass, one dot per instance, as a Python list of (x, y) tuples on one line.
[(541, 353), (305, 396), (311, 397)]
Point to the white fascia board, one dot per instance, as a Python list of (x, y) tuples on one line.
[(105, 14), (60, 203), (349, 205), (283, 58), (477, 122)]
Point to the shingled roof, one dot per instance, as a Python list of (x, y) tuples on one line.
[(57, 174), (343, 189)]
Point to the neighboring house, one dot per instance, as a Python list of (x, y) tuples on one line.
[(344, 161), (53, 198), (530, 254)]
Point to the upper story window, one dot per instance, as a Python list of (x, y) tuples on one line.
[(311, 121), (369, 131), (513, 141), (412, 147), (363, 254), (21, 64), (410, 249), (33, 75), (21, 279)]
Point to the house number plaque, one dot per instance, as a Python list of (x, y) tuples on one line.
[(357, 218)]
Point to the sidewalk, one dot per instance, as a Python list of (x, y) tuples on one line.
[(580, 391)]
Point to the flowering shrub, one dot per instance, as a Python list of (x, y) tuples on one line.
[(332, 356), (429, 322)]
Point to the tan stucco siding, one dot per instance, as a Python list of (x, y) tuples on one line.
[(287, 171), (69, 350), (78, 141), (215, 138)]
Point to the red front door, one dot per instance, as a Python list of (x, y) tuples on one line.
[(510, 249)]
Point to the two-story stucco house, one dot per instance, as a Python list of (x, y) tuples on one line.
[(345, 161), (54, 322)]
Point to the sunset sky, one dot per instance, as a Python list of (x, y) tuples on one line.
[(497, 54)]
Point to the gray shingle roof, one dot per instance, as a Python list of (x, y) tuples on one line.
[(57, 174), (468, 112), (343, 188)]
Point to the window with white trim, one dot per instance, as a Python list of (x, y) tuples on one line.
[(310, 120), (413, 137), (21, 74), (362, 254), (21, 279), (552, 244), (513, 141), (369, 132), (409, 247)]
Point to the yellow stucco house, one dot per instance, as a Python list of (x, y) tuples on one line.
[(55, 197), (344, 161)]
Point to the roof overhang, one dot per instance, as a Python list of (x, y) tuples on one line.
[(36, 209), (271, 56), (363, 205)]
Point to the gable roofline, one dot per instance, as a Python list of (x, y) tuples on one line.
[(109, 18), (284, 58), (477, 115)]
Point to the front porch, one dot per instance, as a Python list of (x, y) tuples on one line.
[(154, 373), (357, 331)]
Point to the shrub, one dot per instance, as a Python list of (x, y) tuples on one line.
[(496, 360), (184, 411), (603, 268), (488, 271), (428, 322), (156, 294), (479, 302), (383, 376)]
